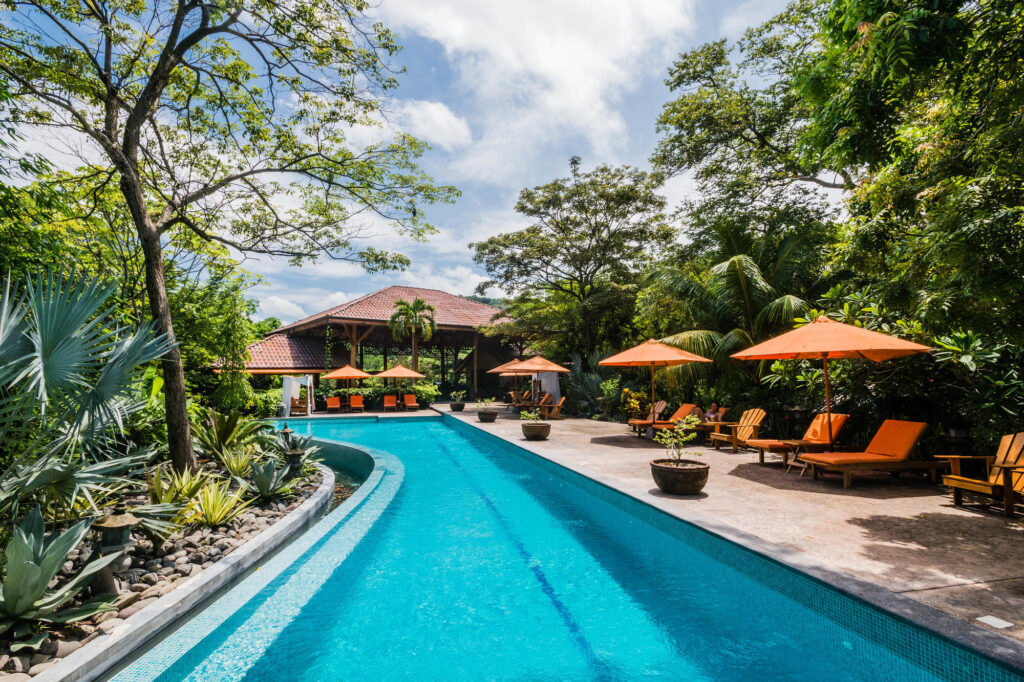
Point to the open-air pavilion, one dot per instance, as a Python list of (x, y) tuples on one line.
[(358, 328)]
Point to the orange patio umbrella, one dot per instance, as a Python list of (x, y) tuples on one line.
[(826, 339), (399, 372), (502, 367), (534, 365), (348, 372), (652, 354)]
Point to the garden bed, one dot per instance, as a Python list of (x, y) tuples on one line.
[(157, 569)]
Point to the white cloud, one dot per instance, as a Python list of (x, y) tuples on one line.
[(435, 123), (281, 308), (457, 279), (536, 72)]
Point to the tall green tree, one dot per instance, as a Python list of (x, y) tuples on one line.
[(414, 321), (230, 120), (591, 234)]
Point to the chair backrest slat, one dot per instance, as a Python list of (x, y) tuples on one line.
[(1010, 453), (749, 420)]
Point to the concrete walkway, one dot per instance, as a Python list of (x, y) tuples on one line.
[(900, 533)]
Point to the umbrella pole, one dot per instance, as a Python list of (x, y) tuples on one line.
[(653, 416), (828, 403)]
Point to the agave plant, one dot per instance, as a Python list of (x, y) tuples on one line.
[(167, 486), (238, 461), (33, 561), (218, 433), (269, 481), (216, 505)]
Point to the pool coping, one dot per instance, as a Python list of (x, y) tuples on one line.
[(107, 651), (1004, 650)]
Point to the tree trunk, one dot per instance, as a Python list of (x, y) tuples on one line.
[(415, 353), (179, 437)]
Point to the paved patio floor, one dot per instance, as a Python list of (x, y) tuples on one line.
[(901, 533)]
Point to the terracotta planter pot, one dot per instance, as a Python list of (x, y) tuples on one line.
[(487, 415), (457, 407), (688, 479), (536, 430)]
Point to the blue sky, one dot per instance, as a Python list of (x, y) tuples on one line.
[(506, 93)]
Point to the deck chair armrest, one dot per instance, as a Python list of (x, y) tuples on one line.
[(954, 462)]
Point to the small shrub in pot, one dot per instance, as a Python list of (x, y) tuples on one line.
[(676, 475), (533, 427), (458, 401), (485, 410)]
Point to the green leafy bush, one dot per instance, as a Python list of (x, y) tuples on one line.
[(238, 461), (216, 505), (217, 433), (167, 486), (457, 396), (33, 561), (425, 392)]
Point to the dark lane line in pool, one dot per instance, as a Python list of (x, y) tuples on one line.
[(599, 667)]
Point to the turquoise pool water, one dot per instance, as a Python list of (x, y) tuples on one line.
[(490, 564)]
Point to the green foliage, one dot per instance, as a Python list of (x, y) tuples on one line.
[(610, 395), (269, 481), (413, 321), (426, 393), (33, 560), (219, 434), (238, 461), (675, 438), (530, 415), (584, 384), (167, 486), (571, 273), (215, 505), (457, 396)]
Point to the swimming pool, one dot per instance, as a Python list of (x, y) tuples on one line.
[(473, 559)]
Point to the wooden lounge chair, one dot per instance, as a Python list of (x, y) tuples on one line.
[(1005, 474), (684, 411), (740, 432), (552, 411), (815, 439), (355, 402), (524, 400), (299, 406), (652, 416), (410, 402), (334, 403), (889, 450), (391, 403)]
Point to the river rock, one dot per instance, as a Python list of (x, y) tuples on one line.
[(135, 608), (67, 646), (104, 617), (40, 667), (38, 658), (109, 625), (17, 677)]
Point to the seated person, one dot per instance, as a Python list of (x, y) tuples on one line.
[(714, 413)]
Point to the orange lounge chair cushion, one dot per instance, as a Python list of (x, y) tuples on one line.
[(896, 438), (818, 430), (410, 399), (767, 444), (846, 458), (356, 401), (390, 400)]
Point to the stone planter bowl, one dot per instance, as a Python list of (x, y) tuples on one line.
[(536, 430), (457, 407), (680, 480), (487, 416)]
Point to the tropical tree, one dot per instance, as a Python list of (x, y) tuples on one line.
[(68, 376), (413, 321), (736, 302), (232, 120), (590, 236)]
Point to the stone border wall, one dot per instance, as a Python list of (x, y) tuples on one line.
[(102, 654)]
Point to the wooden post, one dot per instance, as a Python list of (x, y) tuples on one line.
[(442, 365), (828, 402), (352, 343), (476, 355)]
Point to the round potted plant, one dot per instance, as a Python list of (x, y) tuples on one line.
[(457, 404), (485, 411), (675, 475), (533, 427)]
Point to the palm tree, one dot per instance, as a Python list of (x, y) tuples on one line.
[(413, 320), (738, 302)]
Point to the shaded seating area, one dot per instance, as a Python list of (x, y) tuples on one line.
[(652, 416), (1004, 474), (889, 450), (815, 438), (738, 433)]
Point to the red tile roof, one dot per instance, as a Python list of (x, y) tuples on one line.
[(282, 351), (450, 310)]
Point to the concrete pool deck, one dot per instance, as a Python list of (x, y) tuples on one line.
[(902, 534)]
